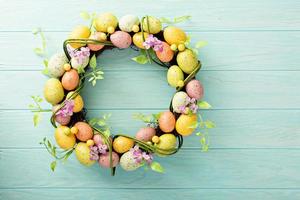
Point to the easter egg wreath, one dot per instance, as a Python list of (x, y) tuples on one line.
[(91, 139)]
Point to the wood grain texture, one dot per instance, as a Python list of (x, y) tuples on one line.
[(251, 76)]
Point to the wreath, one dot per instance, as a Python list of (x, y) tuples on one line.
[(91, 139)]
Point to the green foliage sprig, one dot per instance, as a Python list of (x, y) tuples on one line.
[(88, 17), (151, 119), (41, 51), (195, 48), (56, 154), (36, 108), (175, 20), (102, 124)]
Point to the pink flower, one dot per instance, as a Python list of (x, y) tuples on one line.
[(153, 42), (67, 109), (141, 156), (79, 55), (97, 150)]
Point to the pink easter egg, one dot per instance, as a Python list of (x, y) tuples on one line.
[(95, 36), (62, 120), (121, 39), (145, 134), (195, 89), (104, 160), (98, 139)]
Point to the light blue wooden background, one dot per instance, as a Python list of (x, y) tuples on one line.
[(251, 76)]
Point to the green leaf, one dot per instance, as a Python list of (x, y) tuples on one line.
[(94, 82), (85, 15), (201, 44), (194, 125), (38, 51), (182, 18), (93, 62), (101, 122), (203, 105), (165, 20), (155, 166), (45, 71), (141, 59), (80, 70), (209, 124), (45, 61), (36, 119), (67, 155), (53, 165), (93, 121), (199, 134), (35, 31), (203, 141)]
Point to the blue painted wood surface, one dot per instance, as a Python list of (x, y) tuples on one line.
[(251, 76)]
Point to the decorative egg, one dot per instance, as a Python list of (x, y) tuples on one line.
[(145, 134), (96, 36), (70, 79), (187, 61), (62, 120), (174, 35), (151, 25), (53, 91), (79, 32), (64, 138), (76, 65), (166, 121), (98, 139), (174, 75), (85, 131), (184, 124), (82, 152), (138, 39), (121, 39), (180, 99), (56, 65), (104, 21), (166, 55), (127, 22), (128, 162), (78, 102), (167, 141), (104, 160), (122, 144), (194, 89)]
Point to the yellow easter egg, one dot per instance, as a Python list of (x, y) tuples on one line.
[(174, 75), (184, 124), (151, 25), (64, 138), (174, 35), (106, 21), (78, 102), (79, 32), (53, 91), (138, 39), (187, 61)]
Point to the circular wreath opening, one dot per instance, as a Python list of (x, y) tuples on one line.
[(91, 139)]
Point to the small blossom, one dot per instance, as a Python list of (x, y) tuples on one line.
[(79, 55), (102, 148), (97, 150), (153, 42), (141, 156), (67, 109)]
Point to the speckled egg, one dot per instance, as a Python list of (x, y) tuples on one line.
[(145, 134), (179, 99), (104, 160), (76, 65), (96, 36), (70, 79), (167, 141), (104, 21), (152, 25), (121, 39), (166, 121), (195, 89), (56, 65), (82, 152), (53, 91), (187, 61), (128, 163), (62, 120), (174, 75), (166, 55), (127, 22), (85, 131)]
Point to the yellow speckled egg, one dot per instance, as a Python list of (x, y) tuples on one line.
[(78, 102), (79, 32), (53, 91), (151, 25), (184, 124), (104, 21), (122, 144), (167, 141), (187, 61), (166, 121), (82, 152), (138, 39), (70, 79), (174, 35), (166, 55), (174, 75)]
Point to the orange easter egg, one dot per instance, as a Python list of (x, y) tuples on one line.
[(166, 121), (166, 55), (85, 131), (70, 80)]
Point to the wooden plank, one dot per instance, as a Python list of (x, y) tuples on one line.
[(207, 15), (225, 51), (144, 89), (187, 169), (235, 128), (149, 194)]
